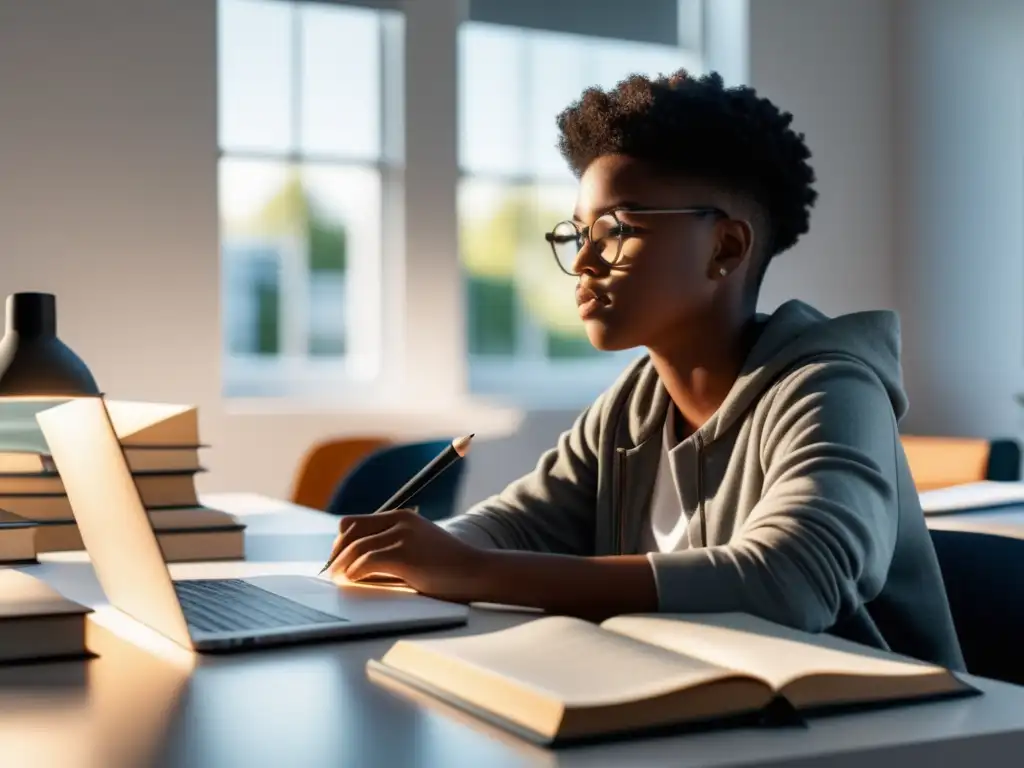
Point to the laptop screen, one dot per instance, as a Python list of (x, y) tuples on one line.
[(111, 518)]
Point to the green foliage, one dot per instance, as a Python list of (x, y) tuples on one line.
[(492, 305), (328, 243), (294, 210), (509, 269), (268, 330), (561, 346)]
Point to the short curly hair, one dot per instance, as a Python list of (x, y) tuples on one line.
[(695, 126)]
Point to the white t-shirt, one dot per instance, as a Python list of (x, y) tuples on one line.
[(667, 520)]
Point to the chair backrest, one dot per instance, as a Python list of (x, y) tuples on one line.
[(325, 464), (939, 462), (374, 479), (984, 578)]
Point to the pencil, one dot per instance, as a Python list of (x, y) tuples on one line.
[(458, 449)]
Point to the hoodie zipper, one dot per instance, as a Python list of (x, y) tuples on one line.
[(619, 519), (700, 492)]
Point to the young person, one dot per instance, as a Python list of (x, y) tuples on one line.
[(748, 462)]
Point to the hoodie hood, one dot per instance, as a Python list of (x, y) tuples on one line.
[(795, 334)]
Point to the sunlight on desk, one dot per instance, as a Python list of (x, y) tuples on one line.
[(389, 583), (33, 736), (135, 688), (112, 710)]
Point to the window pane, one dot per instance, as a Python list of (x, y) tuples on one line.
[(611, 62), (557, 76), (492, 99), (252, 253), (515, 289), (301, 261), (489, 227), (255, 67), (344, 258), (515, 84), (252, 294), (549, 294), (341, 81)]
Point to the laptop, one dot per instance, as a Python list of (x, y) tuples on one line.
[(205, 615)]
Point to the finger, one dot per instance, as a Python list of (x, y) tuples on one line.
[(356, 549), (354, 527), (385, 560), (365, 525)]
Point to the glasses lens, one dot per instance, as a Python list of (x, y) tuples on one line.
[(566, 242), (605, 235)]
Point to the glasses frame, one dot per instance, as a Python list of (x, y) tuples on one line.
[(625, 230)]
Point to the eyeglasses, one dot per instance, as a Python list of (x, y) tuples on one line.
[(605, 235)]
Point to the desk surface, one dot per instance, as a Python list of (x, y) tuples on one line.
[(144, 701), (1001, 521)]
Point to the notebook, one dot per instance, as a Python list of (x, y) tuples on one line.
[(559, 679)]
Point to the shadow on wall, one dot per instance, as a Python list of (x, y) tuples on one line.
[(493, 464)]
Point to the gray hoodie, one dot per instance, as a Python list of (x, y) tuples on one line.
[(802, 507)]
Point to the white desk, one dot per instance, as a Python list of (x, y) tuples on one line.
[(146, 702), (1004, 521)]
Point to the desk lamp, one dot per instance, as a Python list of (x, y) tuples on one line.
[(34, 363)]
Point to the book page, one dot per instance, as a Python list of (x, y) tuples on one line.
[(567, 660), (778, 655)]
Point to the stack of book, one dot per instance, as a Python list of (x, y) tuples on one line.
[(17, 540), (161, 445), (39, 622)]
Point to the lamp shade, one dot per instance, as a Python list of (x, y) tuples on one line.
[(33, 361)]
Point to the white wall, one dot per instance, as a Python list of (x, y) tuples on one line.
[(960, 177), (829, 63), (108, 199)]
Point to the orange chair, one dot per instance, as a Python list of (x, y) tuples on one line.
[(325, 464), (940, 462)]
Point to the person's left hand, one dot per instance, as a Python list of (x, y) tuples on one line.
[(409, 547)]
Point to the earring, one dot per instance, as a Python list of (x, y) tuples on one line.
[(723, 271)]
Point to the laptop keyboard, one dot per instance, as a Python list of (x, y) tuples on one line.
[(233, 605)]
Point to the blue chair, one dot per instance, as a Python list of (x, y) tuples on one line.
[(373, 480)]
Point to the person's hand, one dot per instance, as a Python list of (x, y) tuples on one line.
[(406, 546)]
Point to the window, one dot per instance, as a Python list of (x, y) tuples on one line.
[(524, 336), (302, 171), (386, 178)]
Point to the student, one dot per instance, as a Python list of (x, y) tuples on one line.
[(747, 462)]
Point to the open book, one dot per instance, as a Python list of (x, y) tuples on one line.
[(562, 679)]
